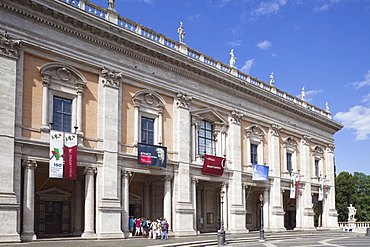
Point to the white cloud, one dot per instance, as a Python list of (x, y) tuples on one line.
[(263, 45), (325, 5), (196, 17), (366, 82), (366, 99), (235, 43), (271, 7), (358, 119), (274, 54), (247, 66)]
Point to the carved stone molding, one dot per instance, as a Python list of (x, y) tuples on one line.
[(9, 47), (236, 117), (90, 170), (330, 148), (306, 140), (290, 144), (112, 78), (183, 100), (275, 129)]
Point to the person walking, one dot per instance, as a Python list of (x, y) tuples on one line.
[(154, 227), (137, 226), (164, 226)]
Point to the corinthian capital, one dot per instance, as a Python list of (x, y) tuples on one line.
[(236, 117), (9, 47), (111, 78), (183, 100)]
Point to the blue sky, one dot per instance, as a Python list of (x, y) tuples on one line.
[(322, 45)]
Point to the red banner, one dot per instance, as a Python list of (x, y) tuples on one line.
[(213, 165), (70, 156)]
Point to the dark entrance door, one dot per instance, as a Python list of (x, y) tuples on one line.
[(53, 217)]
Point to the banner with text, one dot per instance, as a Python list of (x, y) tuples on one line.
[(56, 154), (213, 165), (294, 185), (322, 183), (152, 155), (70, 155), (260, 172)]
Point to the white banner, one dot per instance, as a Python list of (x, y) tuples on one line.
[(321, 188), (292, 186), (56, 154)]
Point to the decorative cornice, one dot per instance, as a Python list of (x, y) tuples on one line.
[(111, 78), (9, 47)]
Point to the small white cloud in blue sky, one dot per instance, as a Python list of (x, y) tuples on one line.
[(358, 119), (325, 5), (195, 17), (264, 45), (270, 7), (366, 82), (247, 66), (235, 43)]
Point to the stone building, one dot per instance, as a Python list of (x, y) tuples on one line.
[(77, 67)]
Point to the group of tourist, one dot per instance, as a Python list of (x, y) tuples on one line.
[(147, 228)]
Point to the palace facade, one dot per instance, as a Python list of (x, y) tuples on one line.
[(76, 67)]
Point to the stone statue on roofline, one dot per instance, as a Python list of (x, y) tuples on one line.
[(181, 32), (272, 79), (303, 94), (111, 4), (327, 107), (232, 58)]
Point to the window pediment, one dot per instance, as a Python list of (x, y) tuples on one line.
[(318, 152), (255, 133), (290, 144), (58, 75), (54, 193), (149, 100), (210, 115)]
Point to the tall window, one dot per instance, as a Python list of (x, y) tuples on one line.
[(317, 168), (254, 154), (289, 162), (62, 114), (206, 139), (147, 130)]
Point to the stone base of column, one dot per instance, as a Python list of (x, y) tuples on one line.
[(28, 236), (184, 215), (277, 219), (109, 219), (110, 235), (9, 218), (237, 220), (88, 234)]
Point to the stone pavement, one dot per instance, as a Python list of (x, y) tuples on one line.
[(201, 240)]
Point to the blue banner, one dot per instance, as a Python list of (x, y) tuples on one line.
[(260, 172), (152, 155)]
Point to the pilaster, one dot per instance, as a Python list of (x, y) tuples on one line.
[(9, 207), (183, 207)]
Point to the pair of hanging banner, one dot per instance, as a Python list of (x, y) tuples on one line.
[(63, 155), (322, 183), (294, 185)]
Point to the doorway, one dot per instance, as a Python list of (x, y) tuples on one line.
[(53, 217)]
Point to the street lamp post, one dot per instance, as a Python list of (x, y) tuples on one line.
[(221, 233), (262, 232)]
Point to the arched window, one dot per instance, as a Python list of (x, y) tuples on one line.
[(318, 154)]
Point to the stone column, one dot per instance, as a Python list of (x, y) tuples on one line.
[(108, 220), (266, 207), (89, 231), (77, 206), (45, 101), (235, 203), (167, 209), (125, 191), (146, 199), (194, 182), (183, 207), (28, 233), (9, 205), (136, 124), (276, 200)]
